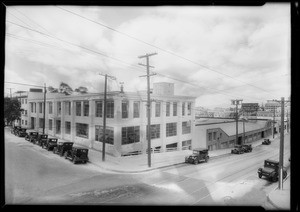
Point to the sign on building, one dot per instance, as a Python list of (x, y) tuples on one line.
[(250, 109)]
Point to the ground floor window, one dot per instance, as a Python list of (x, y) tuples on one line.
[(171, 129), (187, 144), (82, 130), (109, 131), (68, 127), (41, 123), (155, 131), (186, 127), (58, 127), (50, 124), (130, 135)]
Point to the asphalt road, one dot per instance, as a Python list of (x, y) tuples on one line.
[(35, 176)]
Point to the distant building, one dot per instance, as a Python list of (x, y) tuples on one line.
[(218, 135)]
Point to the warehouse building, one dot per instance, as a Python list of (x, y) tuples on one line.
[(79, 118)]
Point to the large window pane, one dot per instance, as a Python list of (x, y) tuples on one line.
[(68, 127), (155, 131), (82, 130), (157, 109), (109, 131), (110, 109), (168, 109), (86, 108), (99, 108), (124, 109), (174, 108), (130, 135), (136, 109), (186, 127), (78, 108), (171, 129)]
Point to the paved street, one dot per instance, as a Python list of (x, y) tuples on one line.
[(35, 176)]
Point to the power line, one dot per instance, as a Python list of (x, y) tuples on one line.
[(169, 52), (98, 53)]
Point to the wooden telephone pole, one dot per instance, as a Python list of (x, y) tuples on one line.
[(148, 103), (104, 114), (236, 102)]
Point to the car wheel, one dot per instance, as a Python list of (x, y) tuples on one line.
[(74, 160), (260, 175), (196, 162), (284, 174), (66, 155), (206, 159), (274, 178)]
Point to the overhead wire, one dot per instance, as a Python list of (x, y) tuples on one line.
[(164, 50)]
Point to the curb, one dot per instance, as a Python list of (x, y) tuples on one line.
[(269, 199), (154, 168)]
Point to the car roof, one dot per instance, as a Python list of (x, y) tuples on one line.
[(79, 147), (272, 161), (200, 149)]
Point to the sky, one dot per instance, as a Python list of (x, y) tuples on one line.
[(213, 53)]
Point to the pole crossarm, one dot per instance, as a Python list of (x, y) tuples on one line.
[(147, 55)]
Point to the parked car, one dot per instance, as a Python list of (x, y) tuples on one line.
[(271, 170), (50, 143), (21, 132), (29, 132), (62, 147), (199, 155), (266, 141), (77, 154), (238, 149), (41, 138), (15, 130), (247, 147), (31, 136)]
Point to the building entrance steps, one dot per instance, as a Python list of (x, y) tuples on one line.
[(139, 163)]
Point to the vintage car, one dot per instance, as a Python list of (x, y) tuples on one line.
[(199, 155), (62, 147), (21, 132), (40, 139), (50, 143), (247, 147), (77, 154), (15, 130), (238, 149), (271, 170), (266, 141), (31, 136)]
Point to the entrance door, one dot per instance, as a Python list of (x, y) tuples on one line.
[(262, 134)]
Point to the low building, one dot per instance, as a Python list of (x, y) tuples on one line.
[(79, 118), (220, 135)]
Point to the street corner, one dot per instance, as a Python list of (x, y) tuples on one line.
[(280, 199)]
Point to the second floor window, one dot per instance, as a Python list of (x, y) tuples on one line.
[(99, 108), (136, 109), (110, 109), (186, 127), (157, 109), (58, 108), (50, 107), (124, 109), (78, 108), (189, 108), (155, 131), (130, 135), (68, 108), (174, 108), (41, 107), (168, 109), (85, 108), (183, 108)]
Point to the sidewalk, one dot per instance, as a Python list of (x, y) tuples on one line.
[(280, 199), (139, 163)]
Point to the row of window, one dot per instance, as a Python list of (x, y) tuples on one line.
[(212, 136), (79, 111), (129, 134)]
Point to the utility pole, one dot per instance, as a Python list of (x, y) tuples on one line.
[(44, 124), (148, 103), (281, 147), (236, 102), (104, 115), (273, 122)]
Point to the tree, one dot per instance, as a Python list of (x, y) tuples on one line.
[(12, 110), (52, 90), (81, 89), (65, 88)]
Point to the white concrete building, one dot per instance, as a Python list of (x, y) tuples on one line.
[(79, 118)]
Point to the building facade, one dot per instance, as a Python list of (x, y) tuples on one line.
[(223, 135), (79, 118)]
